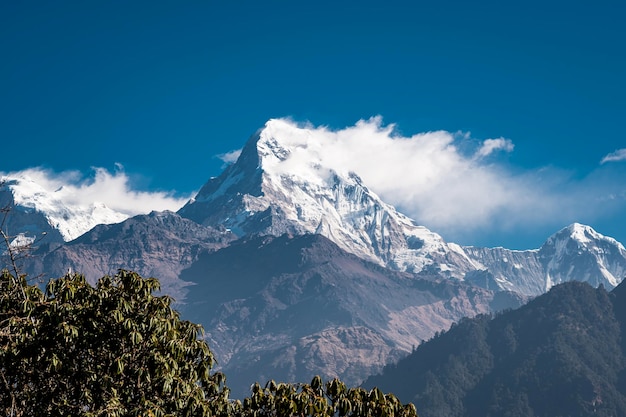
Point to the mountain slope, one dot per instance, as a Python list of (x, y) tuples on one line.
[(290, 307), (280, 185), (562, 354), (159, 244)]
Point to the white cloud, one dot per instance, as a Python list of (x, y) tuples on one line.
[(112, 189), (618, 155), (430, 178), (491, 145), (230, 157)]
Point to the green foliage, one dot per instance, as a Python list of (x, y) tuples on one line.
[(560, 355), (317, 399), (117, 350), (110, 350)]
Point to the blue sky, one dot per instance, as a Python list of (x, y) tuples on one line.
[(163, 87)]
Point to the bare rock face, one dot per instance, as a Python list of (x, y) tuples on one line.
[(159, 244), (290, 307)]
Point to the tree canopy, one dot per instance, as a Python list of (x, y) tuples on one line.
[(110, 350), (116, 349), (322, 400)]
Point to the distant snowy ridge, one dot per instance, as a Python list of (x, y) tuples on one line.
[(580, 251), (575, 253), (69, 220)]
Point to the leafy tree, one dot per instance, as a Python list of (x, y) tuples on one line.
[(317, 399), (110, 350), (115, 349)]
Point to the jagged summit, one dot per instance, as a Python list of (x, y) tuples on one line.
[(281, 184), (36, 209), (575, 253), (284, 183), (579, 252), (583, 235)]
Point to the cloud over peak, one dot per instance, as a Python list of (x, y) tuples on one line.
[(229, 157), (112, 189), (492, 145), (618, 155), (432, 178)]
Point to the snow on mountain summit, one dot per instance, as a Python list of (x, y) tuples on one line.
[(282, 183), (575, 253), (36, 209), (286, 181), (579, 251), (582, 234)]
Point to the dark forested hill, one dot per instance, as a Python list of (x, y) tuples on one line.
[(562, 354)]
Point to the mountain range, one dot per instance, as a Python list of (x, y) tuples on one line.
[(295, 267)]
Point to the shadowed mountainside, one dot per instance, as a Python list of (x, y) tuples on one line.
[(562, 354), (290, 307)]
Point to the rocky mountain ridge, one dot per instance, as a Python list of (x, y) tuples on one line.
[(265, 193), (300, 306), (160, 244), (575, 253), (280, 184)]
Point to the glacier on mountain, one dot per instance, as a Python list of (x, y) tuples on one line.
[(575, 253), (280, 185)]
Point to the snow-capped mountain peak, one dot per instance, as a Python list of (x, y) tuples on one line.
[(36, 209), (575, 253), (581, 234), (281, 184), (579, 252)]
